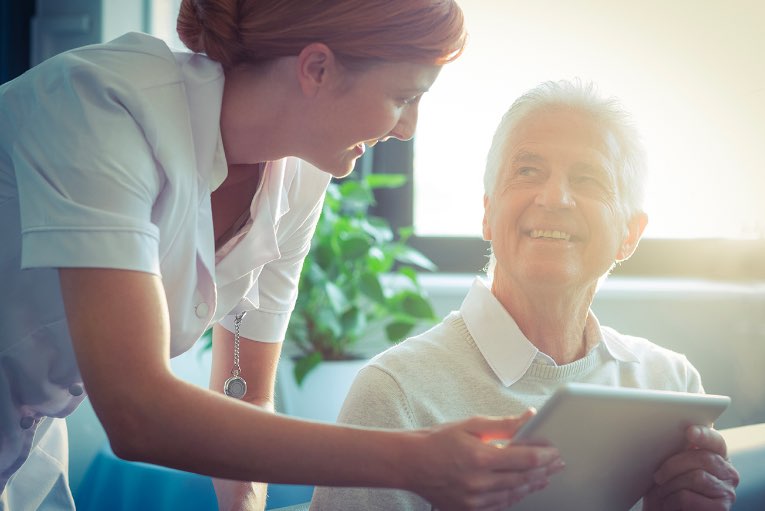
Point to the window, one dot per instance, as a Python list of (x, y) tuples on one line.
[(690, 74), (162, 18)]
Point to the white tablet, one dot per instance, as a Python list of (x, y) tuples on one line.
[(612, 439)]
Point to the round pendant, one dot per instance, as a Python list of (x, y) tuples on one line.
[(235, 387)]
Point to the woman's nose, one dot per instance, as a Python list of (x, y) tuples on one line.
[(407, 123)]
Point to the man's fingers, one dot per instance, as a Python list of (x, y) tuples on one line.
[(703, 437), (697, 482), (687, 500), (696, 459)]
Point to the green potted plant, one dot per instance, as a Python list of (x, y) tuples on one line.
[(357, 278)]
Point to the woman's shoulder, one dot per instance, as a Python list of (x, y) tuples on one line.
[(135, 59)]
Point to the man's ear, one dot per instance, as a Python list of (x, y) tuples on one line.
[(486, 217), (316, 64), (635, 227)]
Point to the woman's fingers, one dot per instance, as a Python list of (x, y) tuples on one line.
[(485, 476)]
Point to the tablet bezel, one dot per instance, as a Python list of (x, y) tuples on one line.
[(622, 436)]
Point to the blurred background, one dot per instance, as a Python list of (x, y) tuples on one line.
[(693, 75)]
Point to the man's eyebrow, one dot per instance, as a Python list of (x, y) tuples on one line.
[(524, 156)]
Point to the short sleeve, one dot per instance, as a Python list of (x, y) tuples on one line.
[(275, 290), (375, 400), (86, 175)]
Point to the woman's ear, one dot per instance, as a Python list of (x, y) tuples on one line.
[(635, 227), (316, 65)]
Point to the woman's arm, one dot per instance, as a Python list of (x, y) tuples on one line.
[(120, 331), (258, 362)]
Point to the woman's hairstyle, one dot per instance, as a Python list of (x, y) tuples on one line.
[(630, 167), (359, 32)]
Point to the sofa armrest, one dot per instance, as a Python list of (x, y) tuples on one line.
[(746, 450)]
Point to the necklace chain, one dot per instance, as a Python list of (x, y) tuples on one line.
[(237, 322)]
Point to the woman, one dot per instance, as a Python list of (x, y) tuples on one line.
[(147, 195)]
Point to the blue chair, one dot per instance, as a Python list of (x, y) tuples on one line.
[(118, 485)]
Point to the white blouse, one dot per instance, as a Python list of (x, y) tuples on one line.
[(108, 156)]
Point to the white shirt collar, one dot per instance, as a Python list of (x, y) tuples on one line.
[(507, 351)]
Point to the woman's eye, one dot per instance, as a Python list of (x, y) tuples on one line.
[(409, 101)]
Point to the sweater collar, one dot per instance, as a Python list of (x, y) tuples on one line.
[(504, 347)]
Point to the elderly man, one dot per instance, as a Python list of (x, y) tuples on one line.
[(564, 188)]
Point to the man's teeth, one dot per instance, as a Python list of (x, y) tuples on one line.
[(555, 235)]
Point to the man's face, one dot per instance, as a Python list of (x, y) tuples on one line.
[(554, 218)]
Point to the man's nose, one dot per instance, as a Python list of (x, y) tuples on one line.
[(555, 194)]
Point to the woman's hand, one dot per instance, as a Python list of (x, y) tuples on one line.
[(699, 478), (463, 470)]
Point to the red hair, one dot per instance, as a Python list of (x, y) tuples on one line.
[(359, 32)]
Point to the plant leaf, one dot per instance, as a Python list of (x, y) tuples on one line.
[(369, 284), (305, 365), (416, 306), (409, 255), (397, 330), (326, 320), (385, 180), (354, 247), (336, 297), (377, 228), (356, 195), (409, 273), (353, 322)]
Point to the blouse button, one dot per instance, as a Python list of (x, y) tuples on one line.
[(76, 389), (201, 310), (27, 422)]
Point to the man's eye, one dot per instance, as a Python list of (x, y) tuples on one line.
[(527, 171), (588, 180)]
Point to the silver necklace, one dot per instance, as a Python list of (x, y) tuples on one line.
[(235, 386)]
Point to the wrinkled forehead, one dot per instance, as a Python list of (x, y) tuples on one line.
[(562, 131)]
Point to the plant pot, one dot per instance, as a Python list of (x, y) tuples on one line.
[(322, 393)]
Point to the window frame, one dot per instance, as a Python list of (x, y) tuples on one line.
[(710, 259)]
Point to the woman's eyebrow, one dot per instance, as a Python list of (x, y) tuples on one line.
[(415, 90)]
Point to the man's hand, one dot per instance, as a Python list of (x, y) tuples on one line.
[(699, 478)]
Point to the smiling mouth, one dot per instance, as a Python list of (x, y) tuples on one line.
[(550, 235)]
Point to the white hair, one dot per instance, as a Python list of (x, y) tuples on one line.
[(629, 161)]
